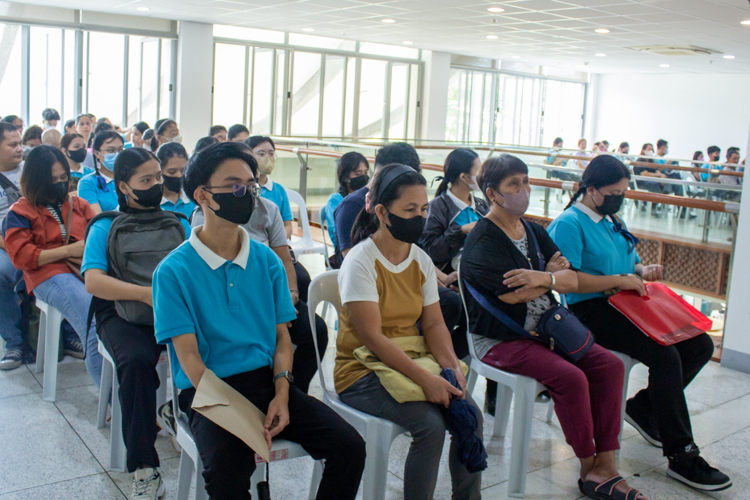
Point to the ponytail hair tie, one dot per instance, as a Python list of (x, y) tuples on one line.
[(440, 178), (368, 208)]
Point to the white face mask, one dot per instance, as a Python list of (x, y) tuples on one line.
[(473, 184), (649, 153), (177, 139)]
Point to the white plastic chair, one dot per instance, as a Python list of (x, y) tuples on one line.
[(305, 245), (629, 364), (190, 460), (509, 385), (110, 386), (48, 348), (378, 433)]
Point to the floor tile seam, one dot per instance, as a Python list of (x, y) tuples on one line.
[(56, 482)]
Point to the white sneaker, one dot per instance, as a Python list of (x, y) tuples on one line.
[(147, 485)]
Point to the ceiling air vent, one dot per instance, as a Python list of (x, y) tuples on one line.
[(676, 50)]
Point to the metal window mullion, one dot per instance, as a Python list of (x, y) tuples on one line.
[(158, 78), (481, 107), (248, 50), (420, 88), (542, 112), (407, 102), (213, 79), (140, 88), (288, 104), (343, 98), (173, 80), (385, 123), (78, 64), (25, 53), (251, 81), (62, 75), (125, 81), (356, 96), (88, 63), (321, 96), (493, 111), (274, 78)]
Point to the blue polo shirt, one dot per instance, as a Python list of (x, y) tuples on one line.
[(95, 251), (333, 203), (98, 189), (232, 307), (276, 193), (184, 205), (591, 244)]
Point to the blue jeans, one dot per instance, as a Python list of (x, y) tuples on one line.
[(68, 294), (10, 311)]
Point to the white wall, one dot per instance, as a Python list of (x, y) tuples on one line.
[(435, 94), (195, 63), (690, 111)]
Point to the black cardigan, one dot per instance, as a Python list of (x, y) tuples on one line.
[(441, 239), (488, 254)]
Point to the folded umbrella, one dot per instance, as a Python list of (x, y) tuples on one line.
[(462, 424)]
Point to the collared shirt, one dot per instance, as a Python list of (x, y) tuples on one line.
[(183, 205), (232, 307), (98, 189), (466, 215), (345, 215), (591, 245), (278, 196)]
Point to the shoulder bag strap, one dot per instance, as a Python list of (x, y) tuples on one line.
[(539, 254), (497, 313), (68, 223), (6, 183)]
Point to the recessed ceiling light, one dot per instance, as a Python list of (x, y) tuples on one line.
[(601, 30), (495, 10), (664, 65), (388, 20), (728, 57), (407, 42), (746, 22), (515, 57), (600, 54), (308, 29), (143, 9), (492, 37)]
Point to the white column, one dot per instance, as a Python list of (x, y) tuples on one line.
[(195, 65), (736, 343), (435, 96)]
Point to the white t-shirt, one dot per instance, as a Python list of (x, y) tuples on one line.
[(15, 177)]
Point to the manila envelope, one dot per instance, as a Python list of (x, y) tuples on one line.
[(227, 408)]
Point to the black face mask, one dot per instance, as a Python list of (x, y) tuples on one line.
[(611, 204), (406, 230), (174, 184), (59, 191), (237, 210), (359, 182), (78, 155), (151, 197)]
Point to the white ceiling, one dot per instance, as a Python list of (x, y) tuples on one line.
[(557, 33)]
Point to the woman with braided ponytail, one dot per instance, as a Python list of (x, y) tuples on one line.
[(598, 245)]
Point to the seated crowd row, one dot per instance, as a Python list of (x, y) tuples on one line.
[(191, 254)]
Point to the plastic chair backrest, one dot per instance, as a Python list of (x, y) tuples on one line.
[(462, 293), (175, 403), (324, 226), (296, 198), (323, 288)]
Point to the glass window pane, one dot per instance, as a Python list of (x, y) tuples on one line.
[(106, 52), (321, 42), (229, 83), (397, 110), (477, 105), (388, 50), (134, 80), (452, 132), (282, 86), (45, 72), (10, 69), (411, 126), (351, 73), (262, 94), (149, 69), (166, 78), (371, 99), (69, 78), (241, 33), (333, 96), (563, 112), (305, 94)]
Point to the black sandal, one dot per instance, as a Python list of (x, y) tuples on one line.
[(607, 491)]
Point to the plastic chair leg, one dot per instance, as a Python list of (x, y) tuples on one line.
[(161, 393), (523, 416), (117, 451), (472, 381), (257, 477), (316, 477), (625, 382), (378, 448), (200, 483), (551, 411), (40, 343), (105, 390), (51, 352), (185, 476), (502, 410)]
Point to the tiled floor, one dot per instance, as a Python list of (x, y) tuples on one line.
[(54, 450)]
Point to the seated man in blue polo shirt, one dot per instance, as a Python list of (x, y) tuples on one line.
[(222, 302)]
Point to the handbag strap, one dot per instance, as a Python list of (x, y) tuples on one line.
[(497, 313), (69, 222), (539, 254)]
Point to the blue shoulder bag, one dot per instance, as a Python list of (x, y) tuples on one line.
[(557, 329)]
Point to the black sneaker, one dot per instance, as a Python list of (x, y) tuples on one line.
[(643, 422), (490, 397), (691, 469), (73, 347)]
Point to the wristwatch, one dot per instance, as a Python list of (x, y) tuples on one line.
[(552, 283), (285, 374)]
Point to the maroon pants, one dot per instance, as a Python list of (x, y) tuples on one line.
[(587, 394)]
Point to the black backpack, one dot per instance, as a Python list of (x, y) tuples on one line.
[(136, 244)]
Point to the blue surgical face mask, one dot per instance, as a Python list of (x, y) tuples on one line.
[(109, 161)]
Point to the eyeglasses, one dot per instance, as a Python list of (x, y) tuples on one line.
[(239, 190)]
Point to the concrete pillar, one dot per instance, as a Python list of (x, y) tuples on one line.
[(435, 95), (736, 343), (195, 63)]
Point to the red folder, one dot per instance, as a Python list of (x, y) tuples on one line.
[(661, 314)]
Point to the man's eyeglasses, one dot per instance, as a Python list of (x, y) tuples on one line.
[(239, 190)]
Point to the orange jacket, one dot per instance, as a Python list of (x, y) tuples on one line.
[(30, 229)]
